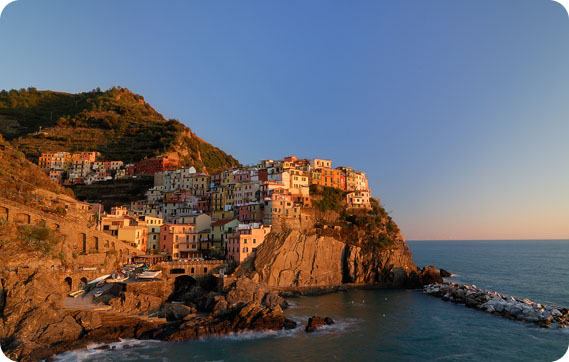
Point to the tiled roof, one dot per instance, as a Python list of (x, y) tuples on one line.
[(222, 222)]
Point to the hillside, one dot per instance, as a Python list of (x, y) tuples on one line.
[(19, 179), (114, 192), (117, 123), (42, 224)]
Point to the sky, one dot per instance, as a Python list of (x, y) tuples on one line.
[(456, 109)]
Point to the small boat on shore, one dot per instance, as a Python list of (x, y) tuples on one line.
[(76, 293), (149, 274), (98, 280), (117, 278)]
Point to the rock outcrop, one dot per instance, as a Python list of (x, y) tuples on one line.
[(296, 259), (316, 322), (446, 274), (430, 275), (35, 325)]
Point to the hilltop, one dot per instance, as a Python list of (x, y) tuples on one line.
[(117, 123)]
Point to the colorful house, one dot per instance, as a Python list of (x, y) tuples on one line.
[(245, 240), (219, 231), (328, 177), (152, 165), (172, 235), (358, 199), (136, 236)]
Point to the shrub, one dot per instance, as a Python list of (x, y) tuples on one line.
[(332, 200), (39, 238), (61, 256), (61, 211)]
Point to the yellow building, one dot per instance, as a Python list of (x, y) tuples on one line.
[(136, 236), (153, 225), (218, 233)]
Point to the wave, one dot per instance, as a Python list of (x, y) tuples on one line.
[(93, 349)]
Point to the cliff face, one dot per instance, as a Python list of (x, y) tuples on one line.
[(297, 259)]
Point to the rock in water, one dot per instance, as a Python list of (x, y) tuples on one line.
[(314, 323), (446, 274), (430, 275), (289, 324)]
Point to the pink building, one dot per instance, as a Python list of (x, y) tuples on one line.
[(171, 236), (250, 213), (245, 240)]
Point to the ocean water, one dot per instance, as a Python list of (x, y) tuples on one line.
[(402, 325)]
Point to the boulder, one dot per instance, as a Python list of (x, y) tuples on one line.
[(66, 330), (430, 275), (445, 274), (316, 322), (174, 312), (289, 324), (88, 319)]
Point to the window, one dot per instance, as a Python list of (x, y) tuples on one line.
[(254, 241)]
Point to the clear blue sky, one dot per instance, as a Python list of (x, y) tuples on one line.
[(456, 109)]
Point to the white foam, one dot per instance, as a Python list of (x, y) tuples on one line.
[(91, 350)]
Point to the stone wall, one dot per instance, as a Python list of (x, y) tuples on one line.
[(304, 221), (77, 228), (193, 268)]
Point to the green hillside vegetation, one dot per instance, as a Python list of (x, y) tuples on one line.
[(361, 227), (114, 192), (117, 123)]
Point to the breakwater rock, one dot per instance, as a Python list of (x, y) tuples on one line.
[(499, 304)]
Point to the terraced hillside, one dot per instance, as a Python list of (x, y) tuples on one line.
[(117, 123)]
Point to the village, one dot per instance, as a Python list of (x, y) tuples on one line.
[(190, 215)]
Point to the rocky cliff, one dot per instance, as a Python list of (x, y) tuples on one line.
[(35, 322), (304, 259)]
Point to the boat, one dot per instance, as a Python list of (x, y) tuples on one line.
[(149, 274), (117, 278), (77, 293), (99, 279)]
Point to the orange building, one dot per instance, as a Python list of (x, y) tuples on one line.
[(328, 177)]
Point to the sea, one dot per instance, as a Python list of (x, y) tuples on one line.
[(401, 325)]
